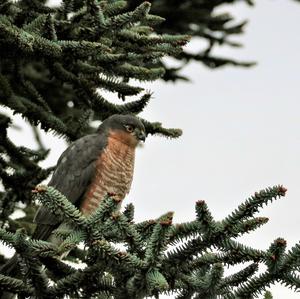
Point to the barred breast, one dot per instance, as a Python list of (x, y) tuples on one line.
[(114, 172)]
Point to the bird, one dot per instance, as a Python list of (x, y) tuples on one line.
[(90, 168)]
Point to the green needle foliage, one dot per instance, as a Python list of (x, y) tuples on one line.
[(201, 20), (156, 257), (59, 67)]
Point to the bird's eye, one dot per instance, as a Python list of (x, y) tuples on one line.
[(129, 128)]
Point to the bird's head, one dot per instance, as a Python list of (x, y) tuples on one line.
[(126, 128)]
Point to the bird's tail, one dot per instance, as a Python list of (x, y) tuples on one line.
[(10, 268)]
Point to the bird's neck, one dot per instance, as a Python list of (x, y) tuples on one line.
[(122, 137)]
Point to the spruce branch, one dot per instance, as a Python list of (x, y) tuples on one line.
[(252, 204), (268, 295), (56, 269), (276, 255), (59, 205), (158, 240), (292, 259), (80, 54), (292, 281), (14, 285), (149, 266), (239, 277), (155, 281)]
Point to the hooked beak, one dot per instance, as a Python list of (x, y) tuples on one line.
[(141, 135)]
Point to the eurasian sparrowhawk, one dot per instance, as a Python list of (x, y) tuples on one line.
[(88, 169), (93, 166)]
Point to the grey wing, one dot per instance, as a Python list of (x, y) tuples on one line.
[(74, 172)]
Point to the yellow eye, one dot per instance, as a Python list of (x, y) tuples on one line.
[(129, 128)]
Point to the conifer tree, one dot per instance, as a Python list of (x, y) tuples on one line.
[(201, 20), (56, 63)]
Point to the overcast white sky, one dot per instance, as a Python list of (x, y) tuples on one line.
[(241, 132)]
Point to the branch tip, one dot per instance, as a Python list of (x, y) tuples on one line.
[(166, 222), (282, 190), (281, 242), (39, 189), (262, 219), (115, 215), (114, 196)]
